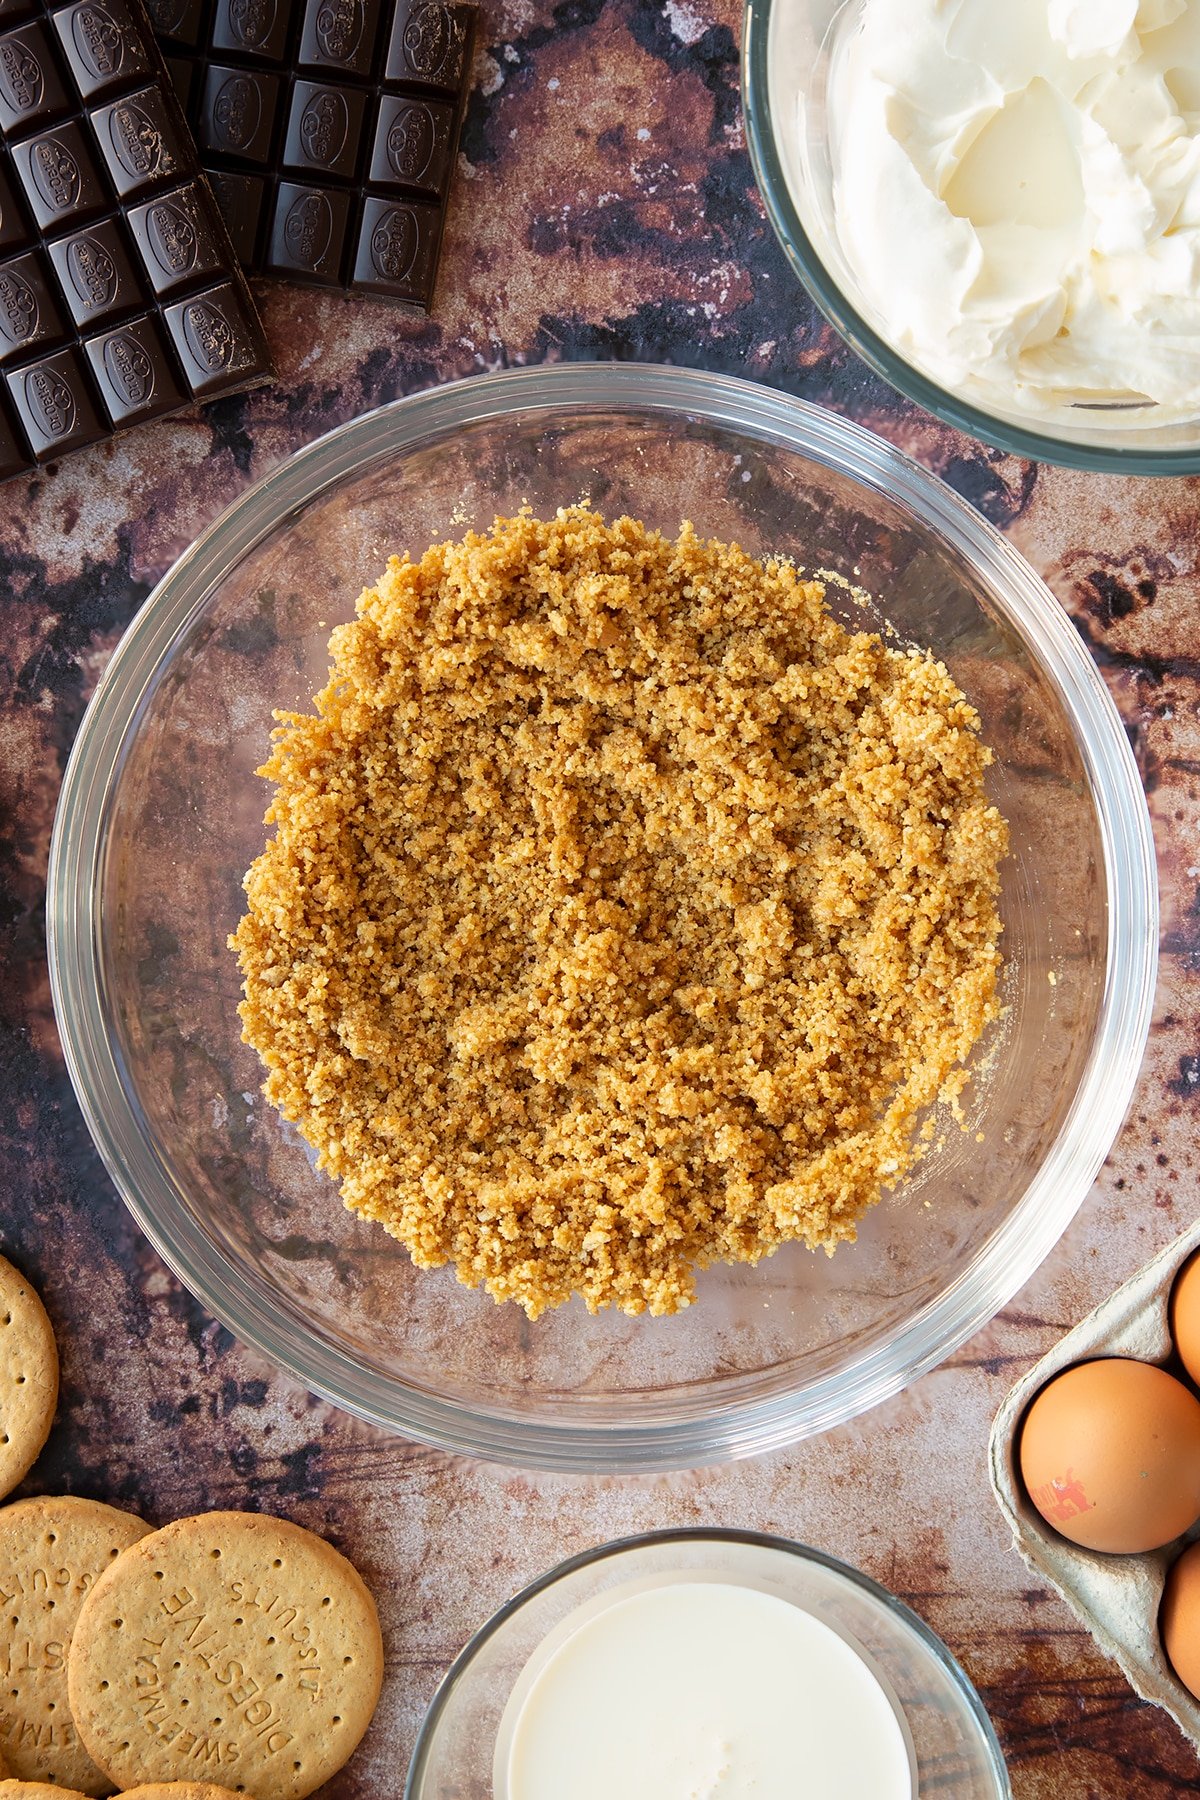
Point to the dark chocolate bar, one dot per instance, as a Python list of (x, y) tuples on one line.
[(120, 294), (328, 129)]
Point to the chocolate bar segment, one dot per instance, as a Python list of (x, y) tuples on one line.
[(30, 318), (31, 90), (121, 297), (339, 36), (329, 129), (397, 249), (135, 372), (143, 142), (58, 174), (216, 338), (413, 146), (103, 46), (325, 127), (237, 116), (96, 275), (309, 233), (54, 403), (428, 46), (252, 27), (178, 239)]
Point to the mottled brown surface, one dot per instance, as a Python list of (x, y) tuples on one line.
[(576, 235)]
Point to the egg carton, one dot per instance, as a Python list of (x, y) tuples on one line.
[(1116, 1597)]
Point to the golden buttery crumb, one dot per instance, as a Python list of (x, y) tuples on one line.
[(624, 912)]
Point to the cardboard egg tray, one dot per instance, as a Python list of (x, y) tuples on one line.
[(1117, 1597)]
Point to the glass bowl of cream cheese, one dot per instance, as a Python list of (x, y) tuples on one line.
[(998, 207), (706, 1662)]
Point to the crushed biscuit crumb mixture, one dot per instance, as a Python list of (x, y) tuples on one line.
[(623, 911)]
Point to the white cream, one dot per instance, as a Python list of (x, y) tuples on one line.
[(1017, 193), (700, 1690)]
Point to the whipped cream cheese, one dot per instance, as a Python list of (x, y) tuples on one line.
[(1017, 192)]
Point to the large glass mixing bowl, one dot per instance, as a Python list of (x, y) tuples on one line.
[(161, 814), (790, 125)]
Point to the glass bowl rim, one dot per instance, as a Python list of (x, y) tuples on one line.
[(718, 1534), (725, 1432), (807, 263)]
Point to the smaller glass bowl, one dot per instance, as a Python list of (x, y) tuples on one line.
[(786, 76), (953, 1744)]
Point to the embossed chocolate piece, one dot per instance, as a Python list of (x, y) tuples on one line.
[(309, 234), (103, 46), (29, 314), (54, 404), (135, 372), (180, 241), (429, 46), (105, 224), (96, 274), (325, 127), (329, 130), (215, 335), (58, 172), (142, 142), (30, 86), (397, 248), (252, 27), (340, 35), (414, 142), (237, 117)]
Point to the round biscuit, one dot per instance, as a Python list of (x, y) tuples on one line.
[(232, 1646), (179, 1790), (51, 1552), (28, 1376), (37, 1790)]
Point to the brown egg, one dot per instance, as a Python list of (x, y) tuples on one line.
[(1179, 1619), (1185, 1316), (1110, 1455)]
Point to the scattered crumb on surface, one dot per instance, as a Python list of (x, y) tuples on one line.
[(624, 911)]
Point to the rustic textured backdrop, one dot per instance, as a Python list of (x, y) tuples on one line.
[(605, 209)]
